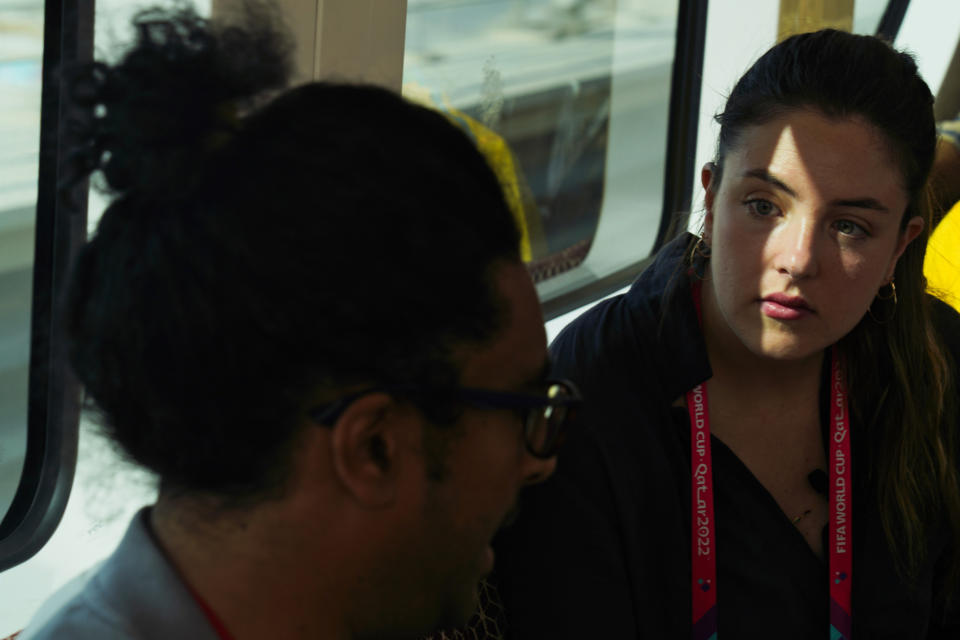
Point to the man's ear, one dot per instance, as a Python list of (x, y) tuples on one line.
[(368, 446), (708, 177)]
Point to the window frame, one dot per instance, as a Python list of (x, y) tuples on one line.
[(892, 19), (53, 393)]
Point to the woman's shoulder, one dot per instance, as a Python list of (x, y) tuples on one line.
[(648, 337), (598, 332), (625, 320), (607, 345)]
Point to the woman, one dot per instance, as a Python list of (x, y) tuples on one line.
[(799, 317)]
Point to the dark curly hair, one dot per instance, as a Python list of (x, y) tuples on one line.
[(259, 248)]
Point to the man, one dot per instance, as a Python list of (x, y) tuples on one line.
[(309, 318)]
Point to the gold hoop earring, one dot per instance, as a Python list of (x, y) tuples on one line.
[(702, 249), (886, 297), (890, 296), (698, 257)]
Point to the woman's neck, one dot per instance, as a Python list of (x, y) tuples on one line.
[(766, 411)]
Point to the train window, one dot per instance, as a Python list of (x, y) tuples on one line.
[(932, 37), (569, 100), (21, 49), (39, 227), (38, 230)]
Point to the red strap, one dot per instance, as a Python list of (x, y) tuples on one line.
[(212, 618), (703, 548), (841, 517)]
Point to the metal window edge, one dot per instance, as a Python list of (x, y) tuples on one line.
[(892, 19), (53, 397)]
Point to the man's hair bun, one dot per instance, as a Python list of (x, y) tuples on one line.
[(151, 121), (249, 265)]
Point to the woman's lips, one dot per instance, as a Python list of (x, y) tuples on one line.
[(783, 307)]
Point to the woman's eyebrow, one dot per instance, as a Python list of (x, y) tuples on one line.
[(859, 203), (766, 176)]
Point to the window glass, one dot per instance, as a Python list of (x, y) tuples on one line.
[(568, 99), (21, 50), (867, 15)]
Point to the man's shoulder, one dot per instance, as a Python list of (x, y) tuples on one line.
[(77, 611), (79, 621), (136, 594)]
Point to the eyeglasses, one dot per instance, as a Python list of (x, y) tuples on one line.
[(545, 417)]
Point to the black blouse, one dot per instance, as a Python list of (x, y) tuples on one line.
[(602, 549)]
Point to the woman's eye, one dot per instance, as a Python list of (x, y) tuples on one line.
[(762, 208), (848, 228)]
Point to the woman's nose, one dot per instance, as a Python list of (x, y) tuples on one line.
[(796, 248)]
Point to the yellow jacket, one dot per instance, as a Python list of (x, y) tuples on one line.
[(942, 264)]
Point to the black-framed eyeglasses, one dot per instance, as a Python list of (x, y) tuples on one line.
[(545, 416)]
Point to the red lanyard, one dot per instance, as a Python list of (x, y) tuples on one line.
[(703, 547), (841, 518), (219, 628)]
